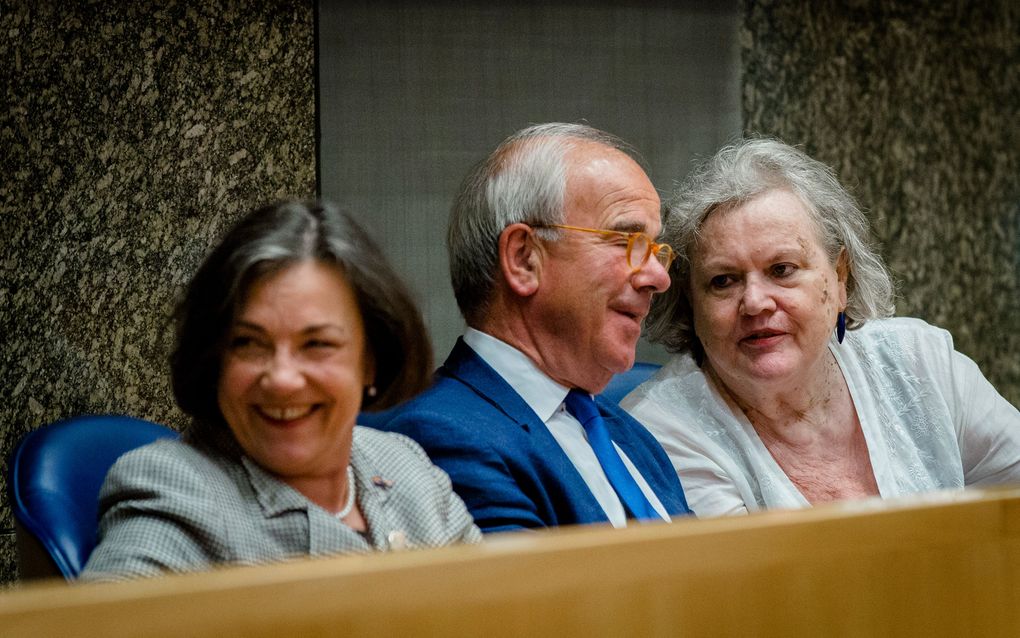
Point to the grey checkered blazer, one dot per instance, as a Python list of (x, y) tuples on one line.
[(174, 506)]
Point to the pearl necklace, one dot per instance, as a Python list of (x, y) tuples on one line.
[(349, 505)]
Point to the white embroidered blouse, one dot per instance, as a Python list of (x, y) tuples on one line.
[(930, 418)]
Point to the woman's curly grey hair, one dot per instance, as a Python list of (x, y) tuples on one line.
[(737, 174)]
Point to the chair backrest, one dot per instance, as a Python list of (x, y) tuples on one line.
[(621, 384), (55, 475), (377, 420)]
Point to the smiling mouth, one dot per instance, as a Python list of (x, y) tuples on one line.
[(286, 413), (636, 315), (761, 335)]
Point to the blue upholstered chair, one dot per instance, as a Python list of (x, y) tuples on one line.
[(377, 419), (621, 384), (55, 475)]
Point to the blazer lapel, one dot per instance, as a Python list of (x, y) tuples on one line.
[(466, 366), (323, 534), (374, 490), (274, 496), (622, 432)]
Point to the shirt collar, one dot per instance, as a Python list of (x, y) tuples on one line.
[(543, 395)]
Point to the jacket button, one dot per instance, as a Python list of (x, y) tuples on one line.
[(397, 539)]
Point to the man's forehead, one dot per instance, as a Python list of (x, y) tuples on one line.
[(581, 152), (608, 182)]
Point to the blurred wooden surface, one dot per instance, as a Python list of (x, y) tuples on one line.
[(948, 565)]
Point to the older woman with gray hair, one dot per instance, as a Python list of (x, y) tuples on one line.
[(294, 324), (791, 384)]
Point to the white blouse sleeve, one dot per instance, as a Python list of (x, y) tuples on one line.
[(987, 426)]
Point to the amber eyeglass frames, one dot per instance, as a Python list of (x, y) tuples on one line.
[(639, 245)]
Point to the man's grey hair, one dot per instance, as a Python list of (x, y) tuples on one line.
[(522, 181), (737, 174)]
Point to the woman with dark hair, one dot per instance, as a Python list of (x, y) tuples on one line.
[(293, 325), (792, 385)]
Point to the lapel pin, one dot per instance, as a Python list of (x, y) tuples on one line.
[(384, 483)]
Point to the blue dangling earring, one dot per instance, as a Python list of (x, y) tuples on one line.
[(840, 327)]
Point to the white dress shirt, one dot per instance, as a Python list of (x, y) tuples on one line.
[(545, 397)]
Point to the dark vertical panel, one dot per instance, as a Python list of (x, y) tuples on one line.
[(132, 133), (414, 94)]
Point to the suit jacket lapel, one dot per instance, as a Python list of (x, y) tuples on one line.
[(274, 496), (374, 490), (620, 431), (466, 366), (656, 470)]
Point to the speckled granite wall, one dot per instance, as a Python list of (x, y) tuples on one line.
[(132, 133), (917, 106)]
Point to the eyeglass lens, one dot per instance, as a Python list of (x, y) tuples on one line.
[(637, 250), (640, 248)]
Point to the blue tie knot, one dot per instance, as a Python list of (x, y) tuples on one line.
[(580, 404)]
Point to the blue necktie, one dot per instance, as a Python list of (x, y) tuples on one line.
[(580, 404)]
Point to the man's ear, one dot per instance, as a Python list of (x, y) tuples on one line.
[(520, 259)]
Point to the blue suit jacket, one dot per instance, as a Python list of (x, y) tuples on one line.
[(504, 462)]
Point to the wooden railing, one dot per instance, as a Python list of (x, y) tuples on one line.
[(946, 565)]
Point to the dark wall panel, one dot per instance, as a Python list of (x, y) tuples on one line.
[(132, 133), (413, 94)]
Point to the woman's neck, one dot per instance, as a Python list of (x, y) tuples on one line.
[(812, 431), (795, 412)]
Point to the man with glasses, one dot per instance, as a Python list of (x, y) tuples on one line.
[(554, 264)]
